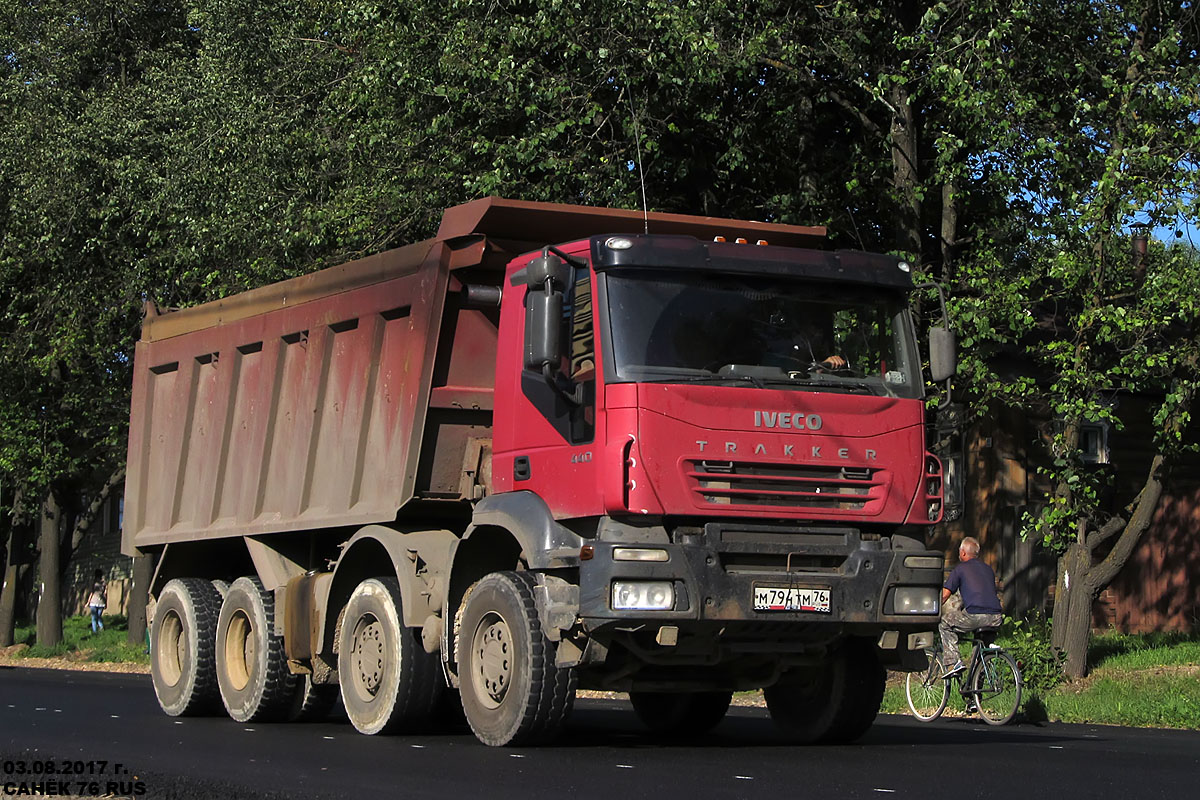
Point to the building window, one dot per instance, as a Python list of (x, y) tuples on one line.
[(1093, 442)]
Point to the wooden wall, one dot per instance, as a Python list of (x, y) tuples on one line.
[(1159, 589)]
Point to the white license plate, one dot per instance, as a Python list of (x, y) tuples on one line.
[(774, 598)]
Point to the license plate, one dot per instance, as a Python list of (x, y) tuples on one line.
[(774, 598)]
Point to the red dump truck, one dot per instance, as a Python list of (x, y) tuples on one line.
[(553, 447)]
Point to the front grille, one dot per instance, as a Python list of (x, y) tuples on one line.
[(792, 486), (781, 562)]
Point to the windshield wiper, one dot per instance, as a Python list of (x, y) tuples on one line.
[(753, 379)]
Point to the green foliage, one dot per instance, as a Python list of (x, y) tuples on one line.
[(1028, 641)]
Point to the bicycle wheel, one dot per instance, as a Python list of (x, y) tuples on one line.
[(927, 691), (997, 687)]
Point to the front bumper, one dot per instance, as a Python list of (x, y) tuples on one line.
[(714, 570)]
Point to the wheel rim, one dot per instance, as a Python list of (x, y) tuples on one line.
[(998, 690), (170, 647), (240, 650), (492, 651), (367, 656)]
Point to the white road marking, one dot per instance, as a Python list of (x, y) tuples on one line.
[(251, 730), (887, 791), (744, 777), (113, 716), (414, 746), (515, 755), (330, 738), (39, 709), (1056, 747), (624, 766)]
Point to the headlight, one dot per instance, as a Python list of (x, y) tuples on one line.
[(642, 595), (915, 600)]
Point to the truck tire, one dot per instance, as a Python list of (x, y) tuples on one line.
[(312, 702), (389, 683), (680, 714), (866, 678), (512, 692), (182, 660), (252, 670), (808, 702)]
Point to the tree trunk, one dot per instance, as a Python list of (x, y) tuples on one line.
[(949, 234), (49, 610), (1077, 626), (143, 571), (904, 170), (1082, 579), (8, 595)]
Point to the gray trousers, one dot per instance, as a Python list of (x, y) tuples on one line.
[(956, 620)]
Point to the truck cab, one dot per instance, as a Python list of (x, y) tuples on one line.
[(729, 439)]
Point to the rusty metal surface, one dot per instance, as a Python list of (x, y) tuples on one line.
[(528, 221), (306, 416)]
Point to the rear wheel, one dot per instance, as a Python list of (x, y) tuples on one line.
[(997, 687), (312, 702), (182, 661), (252, 672), (680, 714), (389, 683), (926, 691), (512, 692)]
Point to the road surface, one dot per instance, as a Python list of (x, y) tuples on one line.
[(88, 723)]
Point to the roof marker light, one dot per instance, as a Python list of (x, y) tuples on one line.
[(618, 243), (761, 242), (718, 238), (904, 266), (741, 240)]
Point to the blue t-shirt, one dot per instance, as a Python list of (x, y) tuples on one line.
[(977, 583)]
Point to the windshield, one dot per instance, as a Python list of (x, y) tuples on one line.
[(765, 330)]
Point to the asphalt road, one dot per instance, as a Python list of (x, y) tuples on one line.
[(77, 720)]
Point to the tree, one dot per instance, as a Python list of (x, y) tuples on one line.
[(1108, 141)]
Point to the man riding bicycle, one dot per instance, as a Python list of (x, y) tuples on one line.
[(979, 608)]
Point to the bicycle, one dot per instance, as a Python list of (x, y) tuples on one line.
[(991, 684)]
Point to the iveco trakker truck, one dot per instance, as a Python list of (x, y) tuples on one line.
[(553, 447)]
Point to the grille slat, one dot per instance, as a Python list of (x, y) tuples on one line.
[(784, 485)]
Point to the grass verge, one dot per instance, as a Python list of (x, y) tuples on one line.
[(80, 644), (1148, 680)]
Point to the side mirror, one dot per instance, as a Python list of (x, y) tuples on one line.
[(543, 329), (547, 269), (943, 360)]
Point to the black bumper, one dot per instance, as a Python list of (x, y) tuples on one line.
[(715, 570)]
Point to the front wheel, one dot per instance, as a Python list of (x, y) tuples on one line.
[(997, 687), (835, 701), (512, 692), (927, 691)]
